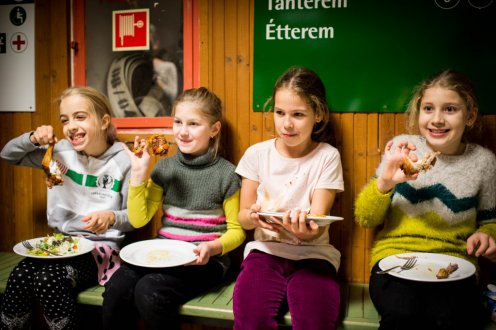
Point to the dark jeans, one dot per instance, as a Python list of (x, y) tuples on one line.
[(154, 294), (405, 304)]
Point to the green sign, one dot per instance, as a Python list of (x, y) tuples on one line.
[(371, 54)]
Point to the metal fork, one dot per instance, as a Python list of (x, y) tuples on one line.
[(28, 246), (409, 264)]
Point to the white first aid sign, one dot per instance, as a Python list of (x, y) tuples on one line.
[(17, 56)]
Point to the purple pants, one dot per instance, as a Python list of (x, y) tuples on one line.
[(267, 283)]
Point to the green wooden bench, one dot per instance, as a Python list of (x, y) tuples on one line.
[(214, 308)]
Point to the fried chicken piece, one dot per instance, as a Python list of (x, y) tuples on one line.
[(424, 164), (51, 168), (157, 143), (445, 272)]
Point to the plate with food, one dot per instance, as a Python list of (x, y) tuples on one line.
[(159, 253), (321, 220), (430, 267), (55, 246)]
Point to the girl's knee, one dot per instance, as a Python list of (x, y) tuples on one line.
[(55, 278), (124, 279), (254, 318), (253, 312), (148, 296), (24, 270)]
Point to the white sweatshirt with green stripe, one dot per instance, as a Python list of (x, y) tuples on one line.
[(90, 184)]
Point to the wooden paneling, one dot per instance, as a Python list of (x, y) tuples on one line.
[(23, 199), (225, 67), (226, 58)]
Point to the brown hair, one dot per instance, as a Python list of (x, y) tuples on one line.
[(307, 85), (209, 105), (451, 80), (98, 104)]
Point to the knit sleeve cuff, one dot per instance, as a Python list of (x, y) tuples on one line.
[(235, 235), (489, 229), (142, 203), (377, 193), (371, 205)]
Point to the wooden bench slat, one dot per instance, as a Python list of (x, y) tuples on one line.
[(8, 260), (369, 311), (215, 304), (220, 296), (359, 312), (355, 297), (91, 296)]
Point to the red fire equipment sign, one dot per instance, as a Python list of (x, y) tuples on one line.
[(131, 29)]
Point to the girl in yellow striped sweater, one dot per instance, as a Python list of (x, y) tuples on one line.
[(449, 210)]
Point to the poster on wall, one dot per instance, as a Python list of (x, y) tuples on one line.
[(134, 54), (17, 54), (371, 54)]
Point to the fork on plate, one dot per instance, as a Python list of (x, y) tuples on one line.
[(28, 246), (409, 264)]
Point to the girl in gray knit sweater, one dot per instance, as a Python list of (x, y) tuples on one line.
[(199, 195)]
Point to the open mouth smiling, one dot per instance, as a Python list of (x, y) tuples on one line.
[(77, 139), (438, 132)]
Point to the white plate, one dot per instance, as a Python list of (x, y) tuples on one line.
[(321, 221), (85, 246), (427, 266), (158, 253)]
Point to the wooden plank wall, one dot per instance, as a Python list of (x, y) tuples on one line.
[(226, 56), (23, 193), (226, 46)]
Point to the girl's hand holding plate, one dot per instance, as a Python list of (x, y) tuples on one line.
[(263, 222), (206, 250), (481, 244), (295, 221)]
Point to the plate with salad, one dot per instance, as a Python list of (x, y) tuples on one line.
[(55, 246)]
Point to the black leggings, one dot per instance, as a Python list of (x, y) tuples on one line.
[(405, 304), (54, 284), (154, 294)]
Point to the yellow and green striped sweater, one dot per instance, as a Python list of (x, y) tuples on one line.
[(438, 211)]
